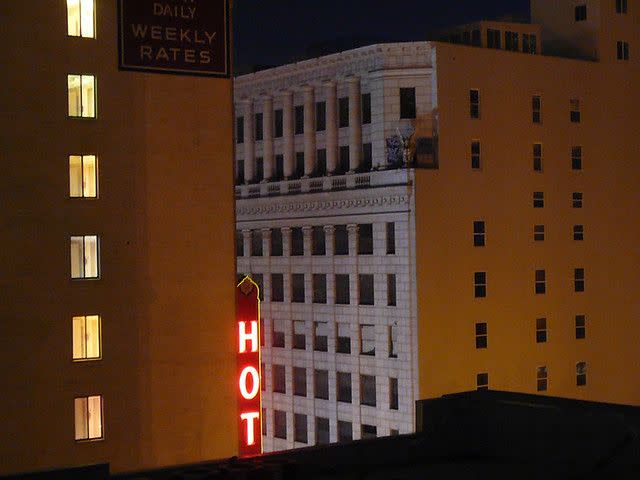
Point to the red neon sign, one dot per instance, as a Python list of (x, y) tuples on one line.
[(249, 395)]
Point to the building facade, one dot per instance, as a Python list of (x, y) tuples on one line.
[(455, 213)]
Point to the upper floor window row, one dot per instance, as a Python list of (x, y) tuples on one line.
[(81, 18)]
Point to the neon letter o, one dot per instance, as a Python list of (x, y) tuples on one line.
[(249, 395)]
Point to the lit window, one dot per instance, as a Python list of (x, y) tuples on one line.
[(475, 155), (538, 199), (81, 20), (538, 233), (367, 340), (623, 50), (576, 200), (83, 176), (542, 379), (478, 234), (481, 335), (581, 327), (474, 103), (88, 417), (541, 330), (82, 95), (86, 337), (480, 284), (578, 279), (541, 283), (574, 110), (84, 257), (578, 232), (581, 13), (536, 109), (482, 381), (581, 374), (537, 157)]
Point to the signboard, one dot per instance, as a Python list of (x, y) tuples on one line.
[(249, 394), (189, 37)]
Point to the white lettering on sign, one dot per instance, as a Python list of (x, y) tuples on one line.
[(255, 383), (251, 336), (161, 9), (250, 417)]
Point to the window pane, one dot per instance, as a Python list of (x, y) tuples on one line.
[(79, 334), (73, 87), (81, 418), (75, 176), (93, 336), (87, 18), (77, 257), (73, 18), (88, 96), (91, 256), (89, 176), (95, 416)]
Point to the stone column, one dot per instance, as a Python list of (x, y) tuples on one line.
[(249, 143), (329, 240), (286, 241), (267, 143), (355, 124), (309, 130), (332, 126), (266, 242), (288, 135), (246, 240)]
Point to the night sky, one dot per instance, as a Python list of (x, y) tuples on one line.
[(275, 32)]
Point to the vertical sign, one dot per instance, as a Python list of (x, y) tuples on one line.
[(174, 36), (249, 394)]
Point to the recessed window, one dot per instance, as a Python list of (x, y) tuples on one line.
[(277, 287), (368, 431), (279, 424), (84, 257), (299, 340), (367, 340), (529, 43), (320, 335), (321, 384), (239, 243), (538, 199), (318, 243), (86, 337), (259, 169), (299, 170), (365, 239), (474, 103), (391, 290), (475, 155), (276, 242), (368, 390), (277, 334), (478, 234), (321, 162), (407, 103), (494, 38), (83, 176), (319, 281), (538, 233), (279, 173), (278, 120), (536, 109), (578, 232), (299, 120), (300, 381), (537, 157), (258, 127), (511, 41), (343, 159), (300, 428), (88, 417), (482, 381), (343, 112), (581, 327), (321, 116), (366, 108), (240, 130), (81, 18), (581, 13), (581, 374), (367, 157), (623, 50), (574, 110), (343, 340), (341, 240), (297, 241), (576, 200), (542, 379), (342, 289), (279, 379), (393, 341), (391, 238), (393, 394), (345, 431), (481, 335), (343, 391), (540, 282), (239, 172), (256, 243), (578, 279), (621, 6), (480, 284), (541, 330), (366, 292), (82, 95)]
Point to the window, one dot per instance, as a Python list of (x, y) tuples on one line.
[(300, 381), (276, 242), (297, 288), (536, 109), (393, 432), (239, 172), (393, 341), (391, 238), (342, 289), (258, 278), (368, 390), (279, 424), (574, 110), (366, 292), (84, 257), (343, 343), (407, 103), (538, 233), (82, 95), (480, 284), (393, 394), (319, 288), (481, 335), (367, 157), (321, 384), (86, 337), (318, 246), (540, 283), (256, 243), (537, 157), (365, 239), (341, 240), (511, 41), (578, 279), (623, 50), (83, 176), (321, 331), (621, 6), (478, 234), (493, 38), (482, 381), (529, 43), (239, 244), (297, 241), (343, 112), (321, 116), (277, 287), (391, 290), (277, 335), (581, 13), (366, 108), (581, 327), (343, 393), (345, 431), (299, 119), (81, 18), (368, 431), (321, 162), (299, 172), (578, 232), (542, 379), (538, 199), (299, 338), (279, 174), (541, 330), (474, 103), (322, 431), (475, 155), (240, 130), (367, 340), (576, 201), (258, 127), (259, 169), (343, 159), (88, 417), (279, 379), (581, 374), (278, 119)]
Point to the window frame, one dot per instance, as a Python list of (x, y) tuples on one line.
[(80, 33), (98, 269), (408, 107), (474, 103), (480, 284), (86, 415), (83, 341), (482, 335), (94, 178), (94, 97), (541, 330)]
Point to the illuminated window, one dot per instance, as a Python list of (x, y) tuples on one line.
[(474, 103), (343, 383), (393, 393), (83, 176), (481, 335), (280, 424), (277, 334), (542, 379), (581, 327), (391, 238), (581, 13), (300, 428), (343, 343), (511, 41), (478, 234), (321, 116), (259, 127), (576, 200), (529, 43), (276, 242), (299, 119), (391, 290), (84, 257), (367, 340), (256, 243), (480, 284), (366, 108), (321, 384), (297, 288), (318, 243), (475, 155), (345, 431), (86, 337), (541, 282), (300, 381), (623, 50), (239, 243), (392, 337), (407, 103), (299, 338), (82, 95), (538, 233), (574, 110), (278, 120), (538, 199), (368, 431), (343, 112), (578, 279), (240, 130), (297, 242), (482, 381), (578, 232), (368, 390), (621, 6), (365, 239), (81, 20), (365, 289), (277, 287), (541, 330), (320, 336), (341, 240), (537, 157), (581, 374), (342, 289), (279, 379), (88, 417), (322, 431)]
